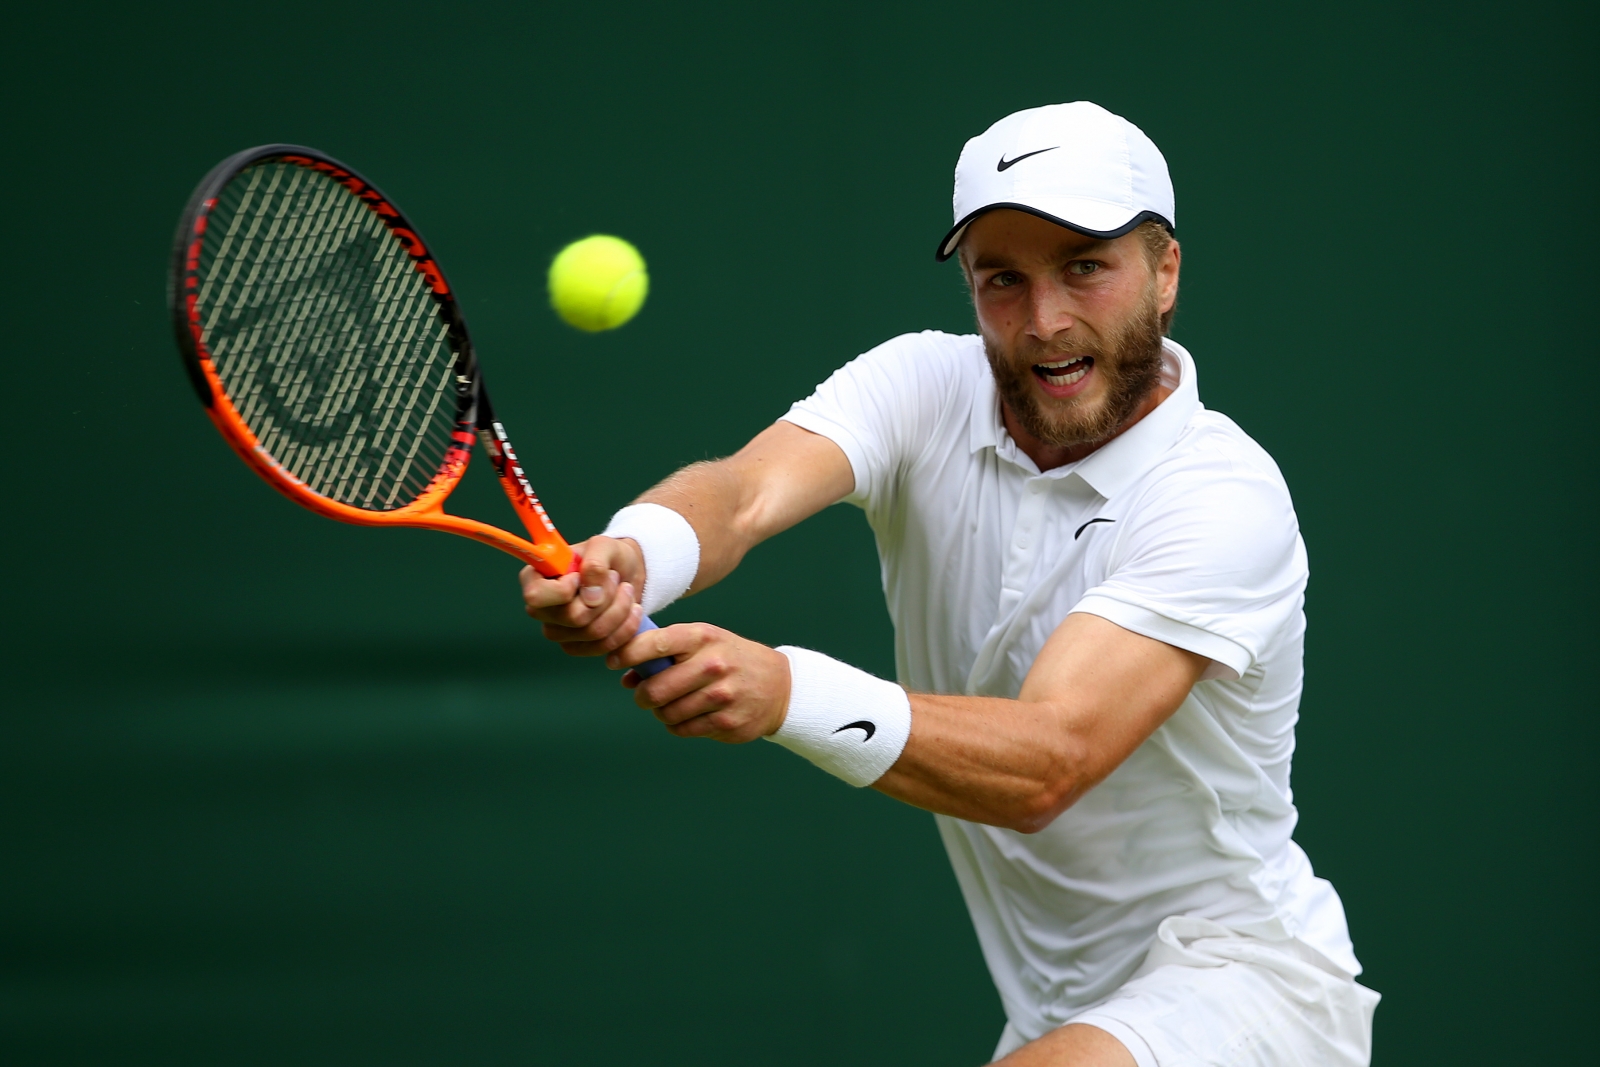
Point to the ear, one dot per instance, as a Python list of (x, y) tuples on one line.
[(1167, 269)]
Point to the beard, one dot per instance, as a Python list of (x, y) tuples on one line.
[(1128, 357)]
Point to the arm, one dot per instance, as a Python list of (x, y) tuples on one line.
[(785, 474), (1095, 693)]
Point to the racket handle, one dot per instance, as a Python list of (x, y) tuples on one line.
[(649, 668), (655, 666)]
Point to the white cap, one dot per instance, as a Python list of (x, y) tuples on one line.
[(1076, 164)]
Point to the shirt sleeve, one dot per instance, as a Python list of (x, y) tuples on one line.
[(883, 407), (1212, 563)]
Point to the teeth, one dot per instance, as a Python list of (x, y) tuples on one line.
[(1065, 379)]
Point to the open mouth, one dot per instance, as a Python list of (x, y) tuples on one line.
[(1063, 372)]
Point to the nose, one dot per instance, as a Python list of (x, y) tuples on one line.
[(1050, 310)]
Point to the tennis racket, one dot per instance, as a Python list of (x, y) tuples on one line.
[(330, 352)]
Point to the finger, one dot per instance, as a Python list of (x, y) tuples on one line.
[(612, 629), (729, 726), (698, 702), (600, 554), (699, 726), (630, 624), (575, 614), (722, 725), (597, 579), (696, 684), (602, 623), (541, 594), (610, 553), (533, 582), (676, 640)]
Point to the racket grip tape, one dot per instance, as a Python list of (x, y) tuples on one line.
[(652, 667)]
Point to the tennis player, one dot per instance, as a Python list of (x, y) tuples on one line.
[(1096, 586)]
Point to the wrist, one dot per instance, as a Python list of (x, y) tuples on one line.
[(781, 698), (667, 547), (846, 721)]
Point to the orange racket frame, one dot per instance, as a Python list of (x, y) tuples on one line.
[(544, 548)]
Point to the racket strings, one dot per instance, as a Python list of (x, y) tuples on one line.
[(326, 338)]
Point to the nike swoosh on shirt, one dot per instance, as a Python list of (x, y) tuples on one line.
[(1007, 164), (868, 728), (1088, 524)]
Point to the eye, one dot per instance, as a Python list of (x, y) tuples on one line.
[(1082, 266), (1006, 279)]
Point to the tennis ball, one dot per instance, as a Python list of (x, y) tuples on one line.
[(598, 283)]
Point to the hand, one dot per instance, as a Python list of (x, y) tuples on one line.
[(722, 687), (592, 611)]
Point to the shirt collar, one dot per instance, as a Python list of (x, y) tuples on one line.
[(1110, 469)]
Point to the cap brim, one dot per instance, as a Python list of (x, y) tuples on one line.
[(947, 247)]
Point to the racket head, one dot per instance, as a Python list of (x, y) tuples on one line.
[(328, 348), (322, 337)]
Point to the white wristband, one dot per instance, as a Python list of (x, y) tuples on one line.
[(844, 720), (671, 551)]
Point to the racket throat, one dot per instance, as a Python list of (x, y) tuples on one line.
[(542, 532)]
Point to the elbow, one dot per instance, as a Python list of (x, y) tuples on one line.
[(1060, 778), (1038, 810)]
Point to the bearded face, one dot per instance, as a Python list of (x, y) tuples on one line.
[(1126, 356)]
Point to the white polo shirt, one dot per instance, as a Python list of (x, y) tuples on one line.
[(1180, 529)]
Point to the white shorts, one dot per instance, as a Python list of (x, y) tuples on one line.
[(1209, 995)]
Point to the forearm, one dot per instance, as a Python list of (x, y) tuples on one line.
[(714, 500), (784, 475), (1095, 693), (730, 506), (1002, 762)]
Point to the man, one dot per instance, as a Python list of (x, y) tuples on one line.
[(1097, 589)]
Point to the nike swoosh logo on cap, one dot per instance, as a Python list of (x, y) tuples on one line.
[(1007, 164), (864, 726)]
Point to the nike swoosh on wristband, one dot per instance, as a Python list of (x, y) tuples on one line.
[(1006, 164), (866, 727), (1088, 524)]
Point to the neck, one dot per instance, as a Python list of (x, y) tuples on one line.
[(1047, 456)]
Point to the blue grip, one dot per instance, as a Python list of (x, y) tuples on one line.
[(654, 666)]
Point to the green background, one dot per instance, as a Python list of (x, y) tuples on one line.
[(274, 789)]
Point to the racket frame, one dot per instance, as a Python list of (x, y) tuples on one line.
[(544, 548)]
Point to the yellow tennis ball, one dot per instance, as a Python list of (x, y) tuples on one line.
[(598, 283)]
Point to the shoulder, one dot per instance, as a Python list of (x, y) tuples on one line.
[(1219, 492), (903, 385), (928, 354), (1210, 542), (1213, 456), (884, 407), (1212, 436)]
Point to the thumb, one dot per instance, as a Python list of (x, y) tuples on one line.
[(595, 580)]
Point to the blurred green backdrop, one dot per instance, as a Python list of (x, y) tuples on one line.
[(273, 789)]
